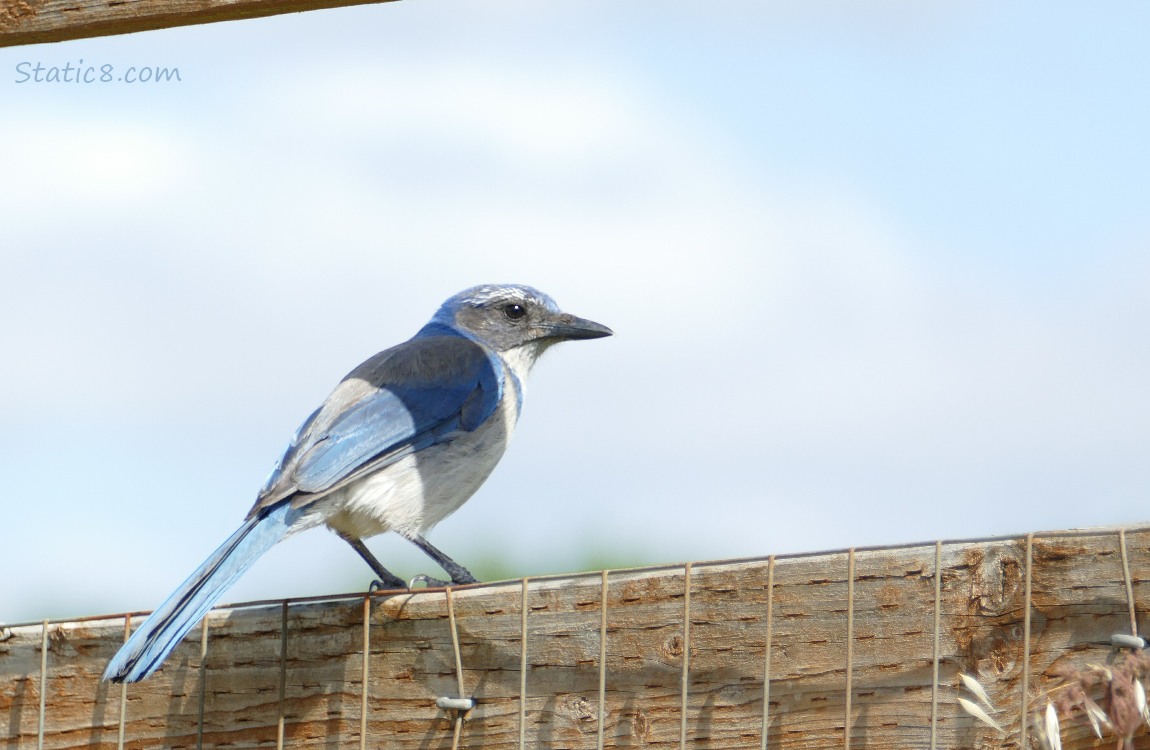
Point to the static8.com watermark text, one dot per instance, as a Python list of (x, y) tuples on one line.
[(80, 73)]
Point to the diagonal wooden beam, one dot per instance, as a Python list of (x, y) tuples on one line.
[(38, 21)]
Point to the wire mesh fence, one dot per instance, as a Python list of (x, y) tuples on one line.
[(853, 648)]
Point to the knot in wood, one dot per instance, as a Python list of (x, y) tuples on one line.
[(996, 655), (580, 708), (996, 580), (640, 726), (58, 642)]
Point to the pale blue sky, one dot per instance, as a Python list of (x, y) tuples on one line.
[(880, 273)]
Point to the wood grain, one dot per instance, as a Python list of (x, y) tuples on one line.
[(306, 668), (38, 21)]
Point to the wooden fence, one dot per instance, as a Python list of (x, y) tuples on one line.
[(39, 21), (860, 648)]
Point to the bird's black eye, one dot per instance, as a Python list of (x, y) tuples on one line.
[(514, 311)]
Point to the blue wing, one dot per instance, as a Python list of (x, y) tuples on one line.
[(401, 400)]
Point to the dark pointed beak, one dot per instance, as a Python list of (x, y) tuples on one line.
[(570, 328)]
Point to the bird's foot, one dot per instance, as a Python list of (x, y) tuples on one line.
[(428, 582), (460, 576), (437, 583), (390, 583)]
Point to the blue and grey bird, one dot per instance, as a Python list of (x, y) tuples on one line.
[(403, 441)]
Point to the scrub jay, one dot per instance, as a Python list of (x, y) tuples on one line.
[(403, 441)]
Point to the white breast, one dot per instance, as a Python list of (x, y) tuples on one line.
[(420, 490)]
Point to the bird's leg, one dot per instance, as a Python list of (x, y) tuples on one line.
[(459, 574), (387, 579)]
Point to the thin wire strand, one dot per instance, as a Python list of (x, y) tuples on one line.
[(123, 691), (203, 683), (937, 633), (365, 674), (43, 685), (455, 641), (684, 677), (1026, 642), (767, 650), (283, 676), (850, 645), (522, 668), (1129, 582), (457, 730), (458, 667), (602, 660)]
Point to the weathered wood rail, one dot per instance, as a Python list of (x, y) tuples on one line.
[(38, 21), (834, 650)]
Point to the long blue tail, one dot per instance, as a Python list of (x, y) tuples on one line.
[(146, 650)]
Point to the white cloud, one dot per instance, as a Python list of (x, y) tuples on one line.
[(796, 361), (59, 172)]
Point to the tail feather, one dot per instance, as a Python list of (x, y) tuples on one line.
[(146, 650)]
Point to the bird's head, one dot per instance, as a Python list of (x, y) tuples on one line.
[(511, 316)]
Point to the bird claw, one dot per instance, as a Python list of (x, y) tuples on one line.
[(462, 579), (389, 585), (428, 582)]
